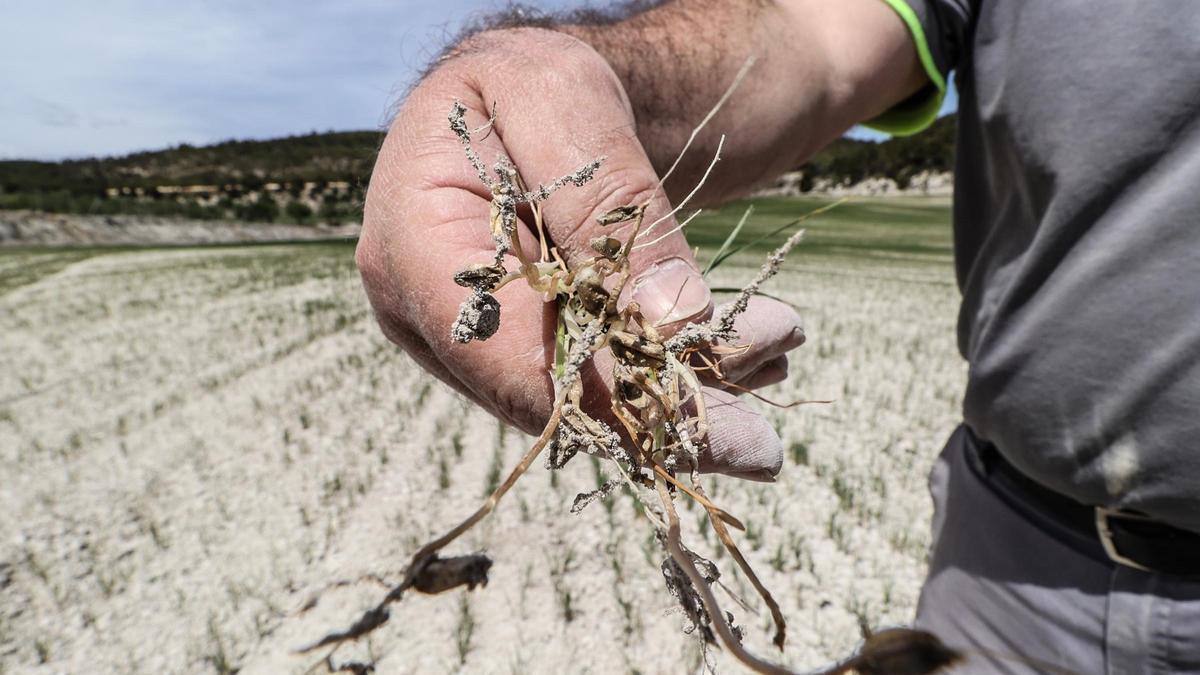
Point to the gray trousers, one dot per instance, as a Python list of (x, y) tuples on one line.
[(1021, 595)]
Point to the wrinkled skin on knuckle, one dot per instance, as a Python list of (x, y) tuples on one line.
[(615, 186), (366, 259), (544, 59), (374, 271), (381, 272), (521, 405)]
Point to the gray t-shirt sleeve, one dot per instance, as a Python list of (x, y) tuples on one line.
[(945, 25)]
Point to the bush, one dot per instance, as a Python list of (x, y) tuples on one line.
[(261, 210), (299, 212)]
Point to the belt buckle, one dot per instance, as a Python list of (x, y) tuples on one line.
[(1106, 540)]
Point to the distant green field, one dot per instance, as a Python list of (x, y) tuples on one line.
[(907, 230), (911, 227), (27, 265)]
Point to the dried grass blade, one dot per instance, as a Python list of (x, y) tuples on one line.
[(715, 613), (766, 400), (703, 501), (776, 613), (737, 81)]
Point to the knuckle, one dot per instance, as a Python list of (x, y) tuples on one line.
[(386, 296), (518, 59), (368, 260), (514, 404), (530, 49), (617, 187), (397, 332)]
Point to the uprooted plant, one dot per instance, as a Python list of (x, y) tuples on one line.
[(655, 404)]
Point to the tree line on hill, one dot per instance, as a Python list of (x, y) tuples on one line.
[(846, 161), (322, 177), (306, 179)]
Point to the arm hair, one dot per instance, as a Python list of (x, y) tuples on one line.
[(676, 57)]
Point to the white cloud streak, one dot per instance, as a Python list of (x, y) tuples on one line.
[(86, 78)]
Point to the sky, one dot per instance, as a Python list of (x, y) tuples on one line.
[(949, 105), (85, 78)]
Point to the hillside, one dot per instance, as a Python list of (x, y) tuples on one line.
[(329, 156), (321, 177), (318, 177)]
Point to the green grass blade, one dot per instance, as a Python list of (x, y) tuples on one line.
[(733, 289), (721, 257), (761, 239), (716, 259)]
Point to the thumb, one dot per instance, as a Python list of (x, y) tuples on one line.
[(670, 290)]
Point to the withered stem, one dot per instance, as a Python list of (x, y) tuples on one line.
[(426, 552), (712, 508), (715, 614), (744, 565)]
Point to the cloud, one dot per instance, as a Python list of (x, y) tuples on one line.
[(85, 78), (51, 114)]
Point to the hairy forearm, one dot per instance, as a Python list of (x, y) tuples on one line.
[(820, 68)]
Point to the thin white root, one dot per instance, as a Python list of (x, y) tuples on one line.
[(716, 158)]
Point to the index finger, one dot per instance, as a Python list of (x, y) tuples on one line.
[(426, 218), (553, 119)]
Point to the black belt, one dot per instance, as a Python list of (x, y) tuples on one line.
[(1125, 538)]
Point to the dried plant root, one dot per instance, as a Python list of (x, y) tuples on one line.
[(728, 638), (713, 510), (422, 568), (427, 553), (656, 399), (727, 541)]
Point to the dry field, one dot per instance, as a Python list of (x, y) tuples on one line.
[(194, 442)]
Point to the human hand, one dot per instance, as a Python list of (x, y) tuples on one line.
[(426, 216)]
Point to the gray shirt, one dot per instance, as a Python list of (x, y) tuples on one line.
[(1077, 239)]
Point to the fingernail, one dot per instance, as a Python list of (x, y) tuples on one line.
[(671, 290)]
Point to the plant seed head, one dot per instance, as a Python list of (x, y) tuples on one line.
[(480, 276), (458, 124), (619, 215), (607, 247), (478, 318)]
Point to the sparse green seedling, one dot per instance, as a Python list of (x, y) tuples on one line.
[(492, 480), (219, 658), (43, 650), (443, 473), (465, 630), (563, 596), (799, 453)]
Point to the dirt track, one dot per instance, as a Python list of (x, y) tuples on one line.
[(32, 228)]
